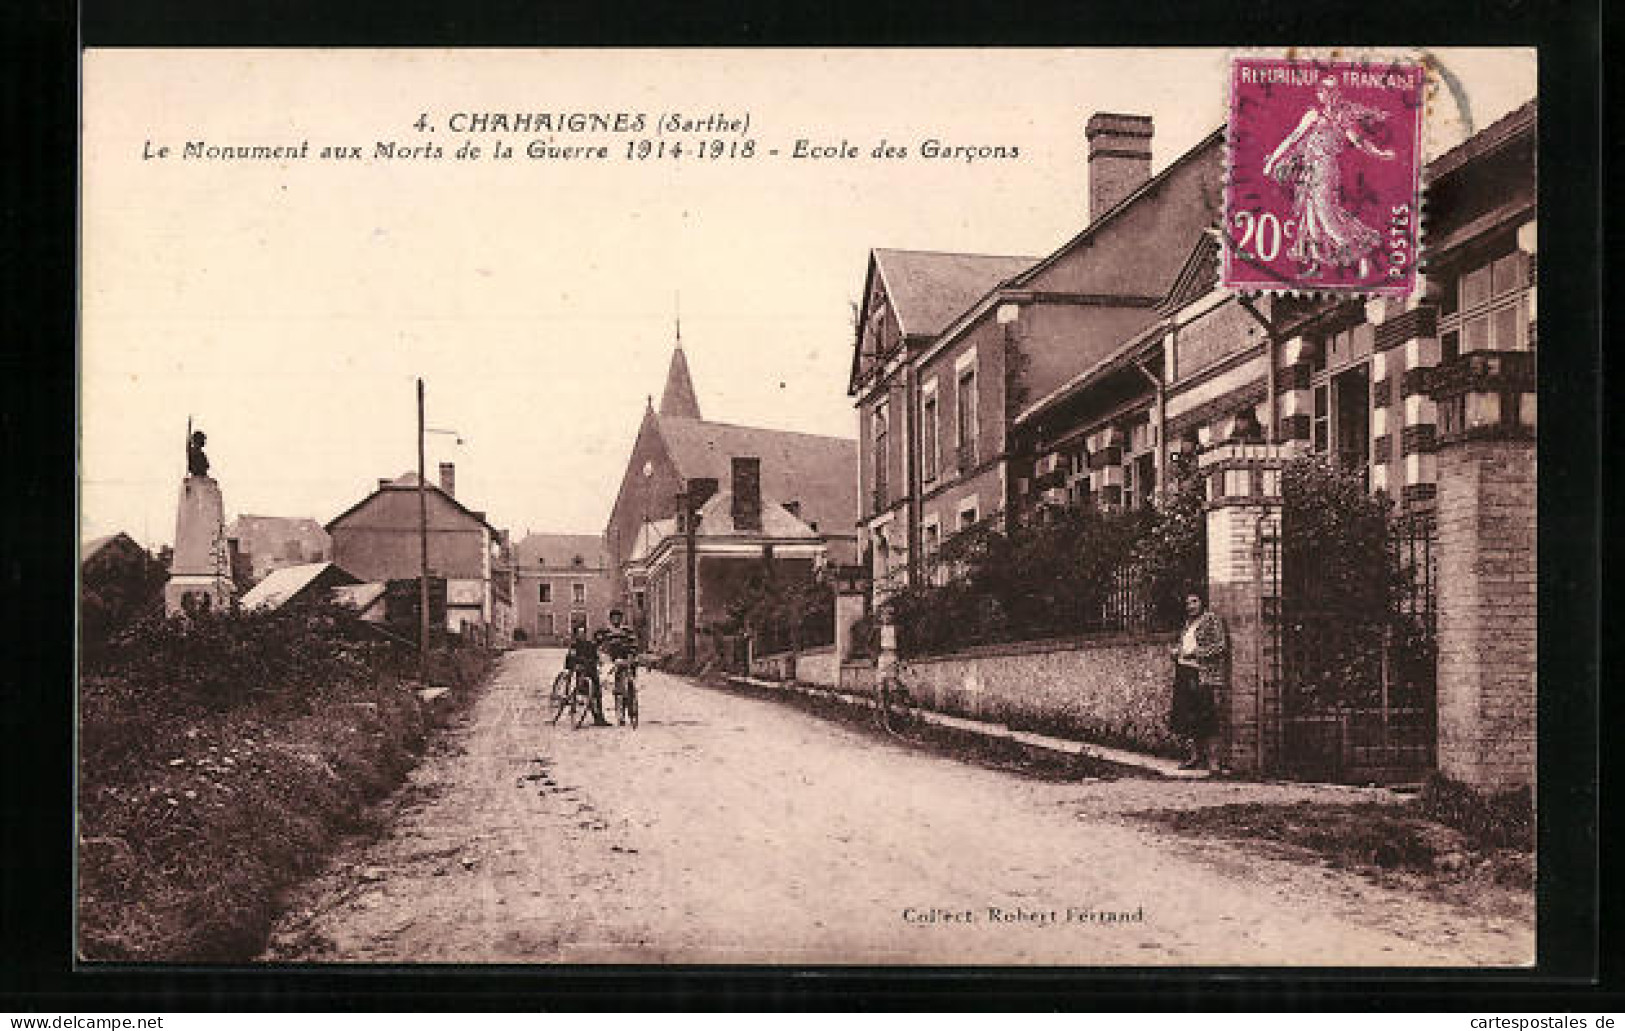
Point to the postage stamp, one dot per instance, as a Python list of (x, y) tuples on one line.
[(1322, 192)]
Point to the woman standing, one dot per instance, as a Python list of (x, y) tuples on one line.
[(1199, 670)]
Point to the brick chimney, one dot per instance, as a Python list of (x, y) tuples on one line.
[(448, 479), (1119, 159), (700, 490), (747, 493)]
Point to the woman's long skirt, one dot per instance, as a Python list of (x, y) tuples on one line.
[(1192, 714)]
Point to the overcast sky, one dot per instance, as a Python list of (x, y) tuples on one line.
[(289, 306)]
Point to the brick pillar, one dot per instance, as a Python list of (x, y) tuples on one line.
[(1243, 497), (849, 605), (1486, 549)]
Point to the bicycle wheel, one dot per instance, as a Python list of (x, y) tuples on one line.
[(583, 696), (563, 699), (894, 708), (632, 703)]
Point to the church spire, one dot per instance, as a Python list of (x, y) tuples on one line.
[(679, 398)]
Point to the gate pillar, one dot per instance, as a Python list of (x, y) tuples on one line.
[(1243, 485), (1486, 589)]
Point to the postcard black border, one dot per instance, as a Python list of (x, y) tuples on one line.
[(39, 356)]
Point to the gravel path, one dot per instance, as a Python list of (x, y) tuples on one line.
[(734, 830)]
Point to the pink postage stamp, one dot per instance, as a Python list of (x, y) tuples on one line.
[(1324, 176)]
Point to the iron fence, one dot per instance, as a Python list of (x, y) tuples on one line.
[(1357, 688)]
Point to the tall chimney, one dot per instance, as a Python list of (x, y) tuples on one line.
[(747, 493), (448, 479), (1119, 159)]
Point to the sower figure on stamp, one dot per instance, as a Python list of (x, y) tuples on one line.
[(1308, 163), (1199, 672)]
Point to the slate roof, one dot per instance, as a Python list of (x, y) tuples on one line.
[(90, 548), (716, 521), (820, 472), (678, 398), (286, 583), (409, 481), (559, 550), (929, 289), (280, 527), (362, 595), (1499, 132)]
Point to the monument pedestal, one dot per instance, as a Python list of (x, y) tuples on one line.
[(200, 572)]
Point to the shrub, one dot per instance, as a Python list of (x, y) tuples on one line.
[(783, 610), (1170, 558), (1501, 820), (1341, 583), (1052, 575), (223, 658)]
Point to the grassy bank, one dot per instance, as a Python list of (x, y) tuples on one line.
[(221, 760), (1449, 841)]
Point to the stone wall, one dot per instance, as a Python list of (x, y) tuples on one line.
[(1114, 690), (811, 666)]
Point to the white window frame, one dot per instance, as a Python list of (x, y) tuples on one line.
[(968, 504), (544, 594), (578, 594), (967, 421), (931, 550), (931, 429), (880, 456), (1515, 298)]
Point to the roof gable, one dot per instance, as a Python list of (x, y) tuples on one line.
[(1197, 278), (121, 541), (929, 289), (1209, 149), (408, 482), (916, 294)]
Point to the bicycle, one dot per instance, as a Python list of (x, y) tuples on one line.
[(572, 693), (626, 692), (895, 710)]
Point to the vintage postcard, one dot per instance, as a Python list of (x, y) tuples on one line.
[(996, 507)]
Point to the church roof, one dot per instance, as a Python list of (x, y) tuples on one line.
[(817, 471), (678, 398)]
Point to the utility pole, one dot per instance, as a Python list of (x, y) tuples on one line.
[(423, 553), (690, 517)]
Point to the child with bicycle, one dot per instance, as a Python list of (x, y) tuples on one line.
[(582, 659), (620, 643)]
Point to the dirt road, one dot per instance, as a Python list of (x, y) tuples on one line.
[(733, 830)]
